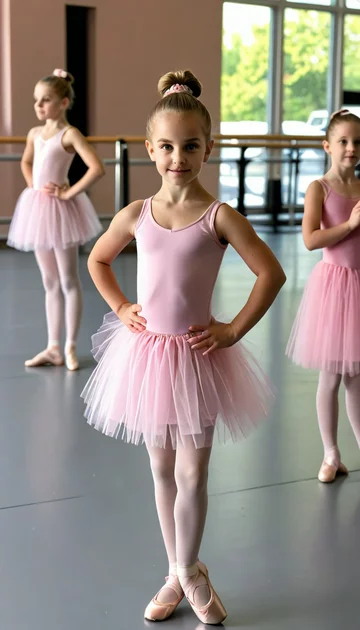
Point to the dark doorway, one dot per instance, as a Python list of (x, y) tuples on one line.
[(351, 98), (77, 56)]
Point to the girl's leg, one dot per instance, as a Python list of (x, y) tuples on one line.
[(328, 416), (54, 306), (352, 388), (68, 265), (162, 461), (191, 474)]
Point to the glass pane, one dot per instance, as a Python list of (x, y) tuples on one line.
[(353, 4), (352, 54), (312, 165), (306, 64), (322, 2), (244, 95)]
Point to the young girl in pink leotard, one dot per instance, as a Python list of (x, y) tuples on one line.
[(52, 218), (168, 373), (325, 335)]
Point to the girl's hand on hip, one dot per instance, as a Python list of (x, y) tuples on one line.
[(128, 315), (56, 191), (216, 335)]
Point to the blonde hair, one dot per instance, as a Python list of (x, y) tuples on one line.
[(339, 118), (62, 86), (180, 101)]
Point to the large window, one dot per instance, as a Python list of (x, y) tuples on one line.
[(282, 72), (309, 60)]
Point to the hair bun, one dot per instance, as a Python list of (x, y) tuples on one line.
[(63, 74), (180, 77)]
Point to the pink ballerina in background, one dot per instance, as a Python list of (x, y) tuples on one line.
[(53, 219), (325, 335)]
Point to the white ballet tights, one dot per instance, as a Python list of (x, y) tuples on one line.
[(60, 276), (180, 482), (352, 398), (328, 411)]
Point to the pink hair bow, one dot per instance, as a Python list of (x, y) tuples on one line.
[(177, 87), (60, 73)]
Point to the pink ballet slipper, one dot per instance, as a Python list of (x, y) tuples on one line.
[(159, 611), (213, 612), (328, 472), (49, 356), (71, 360)]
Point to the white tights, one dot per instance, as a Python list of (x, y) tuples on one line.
[(328, 411), (180, 482), (60, 276)]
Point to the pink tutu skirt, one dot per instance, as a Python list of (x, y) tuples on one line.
[(152, 387), (326, 331), (41, 221)]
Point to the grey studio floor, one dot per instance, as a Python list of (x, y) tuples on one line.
[(80, 542)]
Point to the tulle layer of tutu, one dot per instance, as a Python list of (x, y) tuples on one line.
[(326, 331), (41, 221), (154, 388)]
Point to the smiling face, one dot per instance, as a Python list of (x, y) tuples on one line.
[(48, 105), (344, 145), (178, 146)]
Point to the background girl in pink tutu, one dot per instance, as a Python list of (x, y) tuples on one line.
[(168, 373), (52, 218), (326, 332)]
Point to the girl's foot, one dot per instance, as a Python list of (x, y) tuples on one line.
[(331, 466), (200, 594), (71, 359), (165, 601), (49, 356), (328, 472)]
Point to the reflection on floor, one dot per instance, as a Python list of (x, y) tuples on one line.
[(81, 546)]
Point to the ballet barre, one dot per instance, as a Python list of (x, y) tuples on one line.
[(273, 145)]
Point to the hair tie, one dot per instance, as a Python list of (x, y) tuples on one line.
[(178, 88), (340, 112), (58, 72)]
